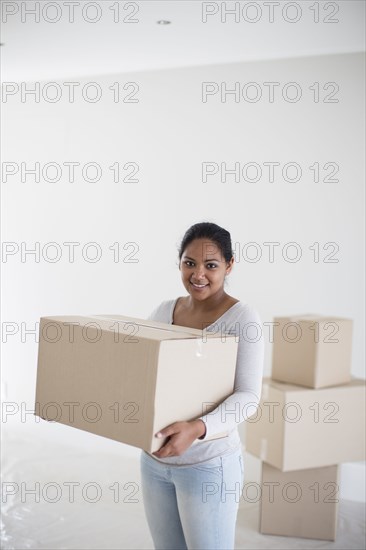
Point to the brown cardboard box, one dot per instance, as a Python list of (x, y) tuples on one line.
[(311, 350), (125, 378), (297, 428), (303, 503)]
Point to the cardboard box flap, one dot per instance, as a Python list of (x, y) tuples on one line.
[(132, 327), (157, 324), (127, 326), (177, 329)]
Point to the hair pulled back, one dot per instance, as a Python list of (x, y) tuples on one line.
[(211, 231)]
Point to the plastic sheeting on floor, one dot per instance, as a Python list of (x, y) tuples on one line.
[(58, 497)]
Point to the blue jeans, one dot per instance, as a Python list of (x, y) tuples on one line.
[(192, 507)]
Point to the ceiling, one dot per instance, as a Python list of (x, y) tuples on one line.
[(44, 50)]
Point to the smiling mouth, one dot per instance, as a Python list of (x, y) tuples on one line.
[(198, 286)]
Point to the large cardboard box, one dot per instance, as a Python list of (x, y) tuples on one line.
[(297, 428), (312, 350), (303, 503), (125, 378)]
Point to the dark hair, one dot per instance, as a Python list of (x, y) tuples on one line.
[(211, 231)]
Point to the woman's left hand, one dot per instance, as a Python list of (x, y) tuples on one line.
[(182, 435)]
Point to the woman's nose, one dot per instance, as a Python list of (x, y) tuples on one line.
[(199, 273)]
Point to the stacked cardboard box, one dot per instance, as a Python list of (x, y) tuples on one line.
[(311, 418)]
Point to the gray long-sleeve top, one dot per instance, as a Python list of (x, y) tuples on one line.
[(243, 321)]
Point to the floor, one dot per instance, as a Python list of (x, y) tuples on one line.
[(58, 497)]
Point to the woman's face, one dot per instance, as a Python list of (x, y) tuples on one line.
[(203, 269)]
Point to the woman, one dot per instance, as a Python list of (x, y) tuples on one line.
[(192, 485)]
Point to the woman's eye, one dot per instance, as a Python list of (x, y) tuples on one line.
[(188, 263)]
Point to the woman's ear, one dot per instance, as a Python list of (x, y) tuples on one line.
[(230, 265)]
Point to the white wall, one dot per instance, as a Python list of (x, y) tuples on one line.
[(169, 133)]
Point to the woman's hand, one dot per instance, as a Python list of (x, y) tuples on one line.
[(181, 436)]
